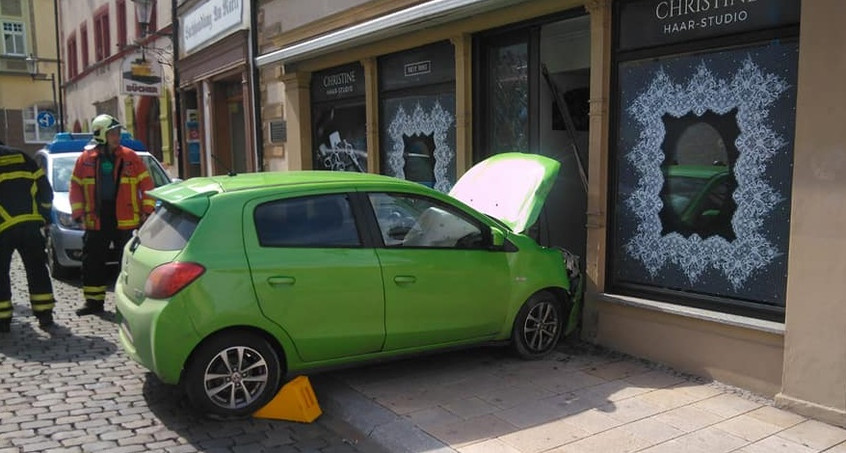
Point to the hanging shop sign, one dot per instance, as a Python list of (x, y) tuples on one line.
[(647, 23), (210, 21), (140, 76)]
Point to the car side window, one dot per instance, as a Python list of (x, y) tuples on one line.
[(418, 222), (316, 221)]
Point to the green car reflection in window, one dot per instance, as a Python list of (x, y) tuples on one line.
[(698, 200)]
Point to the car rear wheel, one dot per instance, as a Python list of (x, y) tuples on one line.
[(538, 326), (232, 375)]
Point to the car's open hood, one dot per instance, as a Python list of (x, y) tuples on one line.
[(510, 187)]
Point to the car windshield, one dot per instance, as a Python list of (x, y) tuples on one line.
[(63, 167)]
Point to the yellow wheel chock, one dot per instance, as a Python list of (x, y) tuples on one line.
[(295, 402)]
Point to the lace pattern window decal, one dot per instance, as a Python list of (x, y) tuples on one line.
[(752, 92), (408, 132)]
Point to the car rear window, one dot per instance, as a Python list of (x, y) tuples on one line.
[(169, 228)]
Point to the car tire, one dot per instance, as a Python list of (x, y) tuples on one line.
[(538, 326), (56, 269), (215, 380)]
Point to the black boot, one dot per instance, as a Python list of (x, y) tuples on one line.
[(45, 318), (90, 308), (5, 325)]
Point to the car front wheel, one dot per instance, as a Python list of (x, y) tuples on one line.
[(538, 326), (232, 375)]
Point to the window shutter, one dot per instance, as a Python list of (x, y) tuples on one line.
[(11, 8)]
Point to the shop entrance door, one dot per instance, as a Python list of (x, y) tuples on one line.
[(518, 112), (230, 152)]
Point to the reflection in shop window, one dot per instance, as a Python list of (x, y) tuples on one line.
[(699, 180)]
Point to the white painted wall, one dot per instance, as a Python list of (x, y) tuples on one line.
[(103, 83)]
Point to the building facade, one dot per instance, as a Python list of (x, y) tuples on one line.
[(216, 87), (29, 103), (699, 145), (111, 65)]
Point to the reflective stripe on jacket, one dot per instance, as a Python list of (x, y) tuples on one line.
[(25, 193), (131, 199)]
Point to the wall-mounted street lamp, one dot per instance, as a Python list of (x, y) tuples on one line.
[(144, 11), (32, 68)]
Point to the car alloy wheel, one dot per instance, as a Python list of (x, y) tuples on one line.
[(538, 326), (232, 375)]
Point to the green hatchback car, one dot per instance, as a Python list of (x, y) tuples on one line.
[(236, 281)]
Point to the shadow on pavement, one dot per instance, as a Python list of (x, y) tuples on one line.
[(54, 344), (171, 407)]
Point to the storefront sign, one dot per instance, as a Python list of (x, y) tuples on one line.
[(428, 65), (646, 23), (418, 68), (209, 21), (141, 76), (338, 83)]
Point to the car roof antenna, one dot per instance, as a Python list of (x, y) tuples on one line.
[(229, 171)]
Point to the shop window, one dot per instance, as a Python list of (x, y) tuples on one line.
[(13, 38), (704, 151), (508, 107), (417, 118), (339, 115)]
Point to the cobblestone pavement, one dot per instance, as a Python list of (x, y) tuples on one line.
[(72, 388)]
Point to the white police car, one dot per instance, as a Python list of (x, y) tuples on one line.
[(57, 158)]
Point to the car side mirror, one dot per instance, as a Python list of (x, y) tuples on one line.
[(497, 237)]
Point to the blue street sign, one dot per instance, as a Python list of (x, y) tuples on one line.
[(46, 119)]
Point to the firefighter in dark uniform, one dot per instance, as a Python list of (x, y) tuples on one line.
[(25, 202)]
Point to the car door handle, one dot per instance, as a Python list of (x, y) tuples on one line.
[(279, 281), (404, 279)]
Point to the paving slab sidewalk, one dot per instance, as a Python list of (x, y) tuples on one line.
[(579, 399)]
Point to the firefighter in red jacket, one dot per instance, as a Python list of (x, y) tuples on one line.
[(108, 195), (25, 201)]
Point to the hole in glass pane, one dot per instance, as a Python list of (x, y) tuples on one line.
[(419, 154), (698, 174)]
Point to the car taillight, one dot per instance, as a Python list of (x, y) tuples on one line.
[(168, 279)]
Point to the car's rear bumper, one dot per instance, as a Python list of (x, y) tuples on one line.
[(155, 334)]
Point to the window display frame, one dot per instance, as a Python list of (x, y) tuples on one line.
[(426, 81), (787, 35)]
